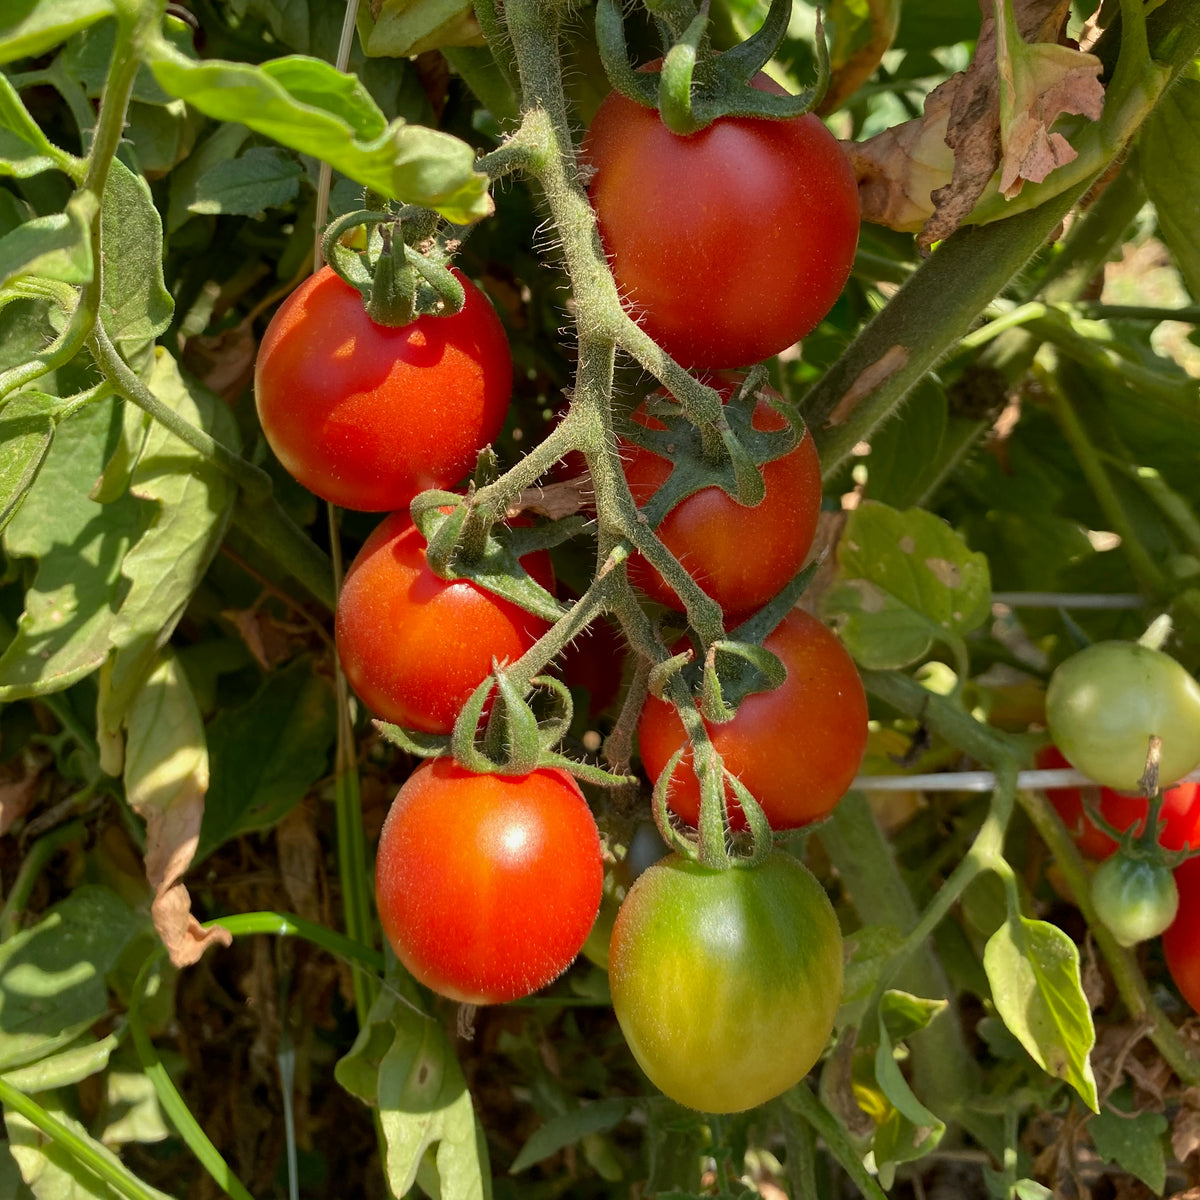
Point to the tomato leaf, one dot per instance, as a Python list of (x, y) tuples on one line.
[(55, 247), (910, 1131), (570, 1127), (905, 1014), (24, 148), (403, 28), (52, 1169), (1033, 969), (905, 579), (34, 26), (267, 753), (1132, 1140), (187, 512), (868, 951), (52, 974), (1170, 155), (135, 305), (306, 104), (26, 431), (81, 1060), (403, 1064), (264, 177)]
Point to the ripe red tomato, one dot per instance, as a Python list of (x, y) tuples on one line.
[(726, 983), (1180, 809), (1181, 941), (729, 244), (594, 663), (796, 748), (415, 646), (740, 556), (487, 885), (367, 416)]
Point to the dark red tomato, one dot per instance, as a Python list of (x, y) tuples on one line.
[(729, 244), (487, 885), (1181, 941), (593, 662), (367, 416), (1180, 809), (740, 556), (415, 646), (796, 748)]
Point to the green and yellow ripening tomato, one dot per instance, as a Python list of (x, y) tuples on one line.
[(726, 982)]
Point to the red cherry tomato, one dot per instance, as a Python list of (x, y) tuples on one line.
[(367, 416), (1181, 941), (796, 748), (1180, 809), (487, 885), (729, 244), (415, 646), (740, 556), (594, 662)]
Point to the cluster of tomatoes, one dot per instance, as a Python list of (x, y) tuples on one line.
[(1106, 707), (488, 885)]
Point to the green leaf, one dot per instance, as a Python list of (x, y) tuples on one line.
[(904, 579), (185, 181), (905, 1014), (188, 502), (868, 950), (1033, 969), (52, 974), (568, 1128), (264, 177), (132, 1112), (911, 1131), (55, 247), (135, 305), (403, 28), (64, 632), (267, 754), (1030, 1189), (403, 1064), (66, 1067), (53, 1172), (24, 148), (26, 432), (306, 104), (32, 26), (1132, 1140), (1169, 146)]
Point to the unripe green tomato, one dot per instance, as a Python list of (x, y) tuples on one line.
[(726, 982), (1135, 897), (1104, 703)]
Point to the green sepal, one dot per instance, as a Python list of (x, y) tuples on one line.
[(498, 568), (638, 86), (674, 838), (759, 627), (662, 673), (414, 742), (732, 671), (553, 728), (675, 77)]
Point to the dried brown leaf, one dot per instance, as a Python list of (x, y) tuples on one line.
[(18, 787), (1185, 1130)]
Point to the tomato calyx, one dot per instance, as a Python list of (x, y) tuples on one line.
[(693, 87), (397, 281), (728, 453)]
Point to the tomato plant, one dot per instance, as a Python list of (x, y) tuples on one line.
[(593, 663), (762, 215), (796, 748), (1135, 897), (415, 646), (726, 982), (709, 530), (487, 885), (1180, 810), (367, 415), (1104, 703)]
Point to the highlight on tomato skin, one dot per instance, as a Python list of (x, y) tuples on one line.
[(487, 885), (739, 556), (796, 748), (1180, 810), (365, 415), (415, 646)]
